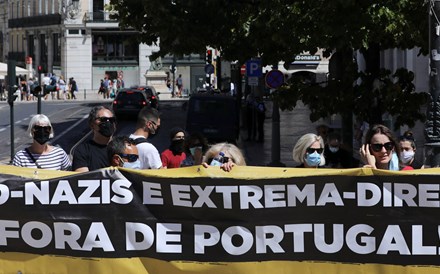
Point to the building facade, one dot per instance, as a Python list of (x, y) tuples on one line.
[(78, 38)]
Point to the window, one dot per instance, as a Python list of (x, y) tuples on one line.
[(110, 47)]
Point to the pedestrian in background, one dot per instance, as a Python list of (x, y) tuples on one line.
[(147, 126), (122, 152), (407, 149), (232, 156), (173, 156), (335, 155), (72, 88), (92, 154), (260, 110), (309, 151), (195, 146), (41, 154), (380, 149), (62, 86), (179, 84)]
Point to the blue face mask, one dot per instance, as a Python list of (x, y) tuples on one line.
[(313, 159), (134, 165)]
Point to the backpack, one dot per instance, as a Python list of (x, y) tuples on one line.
[(139, 140), (53, 81)]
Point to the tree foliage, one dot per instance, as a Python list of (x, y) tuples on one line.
[(278, 29)]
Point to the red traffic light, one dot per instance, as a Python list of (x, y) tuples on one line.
[(209, 56), (40, 68)]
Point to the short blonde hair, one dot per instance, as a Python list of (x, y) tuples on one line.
[(39, 119), (301, 146), (229, 149)]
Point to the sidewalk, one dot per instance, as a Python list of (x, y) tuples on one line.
[(293, 124)]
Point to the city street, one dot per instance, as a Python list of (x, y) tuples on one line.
[(69, 119)]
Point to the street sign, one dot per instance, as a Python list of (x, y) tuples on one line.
[(253, 68), (209, 69), (253, 81), (243, 70), (274, 78)]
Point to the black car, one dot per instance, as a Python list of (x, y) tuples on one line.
[(151, 93), (129, 102), (216, 116)]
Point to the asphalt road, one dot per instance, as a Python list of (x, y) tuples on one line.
[(69, 119)]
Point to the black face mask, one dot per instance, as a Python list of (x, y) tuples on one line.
[(153, 132), (106, 129), (41, 136), (177, 146)]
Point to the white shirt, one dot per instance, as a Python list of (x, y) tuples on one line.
[(46, 80), (148, 154)]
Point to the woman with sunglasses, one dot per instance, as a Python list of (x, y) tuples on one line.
[(308, 151), (407, 149), (380, 150), (232, 156), (40, 154)]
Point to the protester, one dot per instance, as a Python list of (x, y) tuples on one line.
[(232, 156), (122, 152), (147, 126), (92, 154), (379, 150), (308, 151), (40, 154), (174, 155), (407, 149), (196, 145), (335, 155)]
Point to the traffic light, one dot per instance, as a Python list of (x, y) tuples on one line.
[(209, 56), (40, 69)]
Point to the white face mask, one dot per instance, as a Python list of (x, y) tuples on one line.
[(333, 149), (134, 165), (406, 156)]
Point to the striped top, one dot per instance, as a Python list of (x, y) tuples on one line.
[(56, 159)]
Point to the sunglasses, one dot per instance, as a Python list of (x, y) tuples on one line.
[(311, 150), (224, 160), (106, 119), (378, 147), (45, 128), (130, 157)]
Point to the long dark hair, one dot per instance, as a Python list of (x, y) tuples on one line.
[(382, 130)]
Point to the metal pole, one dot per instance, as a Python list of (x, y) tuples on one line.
[(276, 139), (11, 97), (85, 97), (432, 128)]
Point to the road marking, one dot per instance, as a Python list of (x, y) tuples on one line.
[(67, 130)]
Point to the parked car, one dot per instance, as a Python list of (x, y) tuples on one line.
[(151, 93), (216, 116), (129, 102)]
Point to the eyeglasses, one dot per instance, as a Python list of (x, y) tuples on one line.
[(378, 147), (45, 128), (311, 150), (106, 119), (130, 157)]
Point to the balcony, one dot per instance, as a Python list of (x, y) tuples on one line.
[(99, 17)]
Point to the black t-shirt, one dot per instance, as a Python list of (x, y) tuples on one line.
[(90, 154)]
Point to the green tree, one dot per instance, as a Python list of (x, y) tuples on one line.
[(278, 29)]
